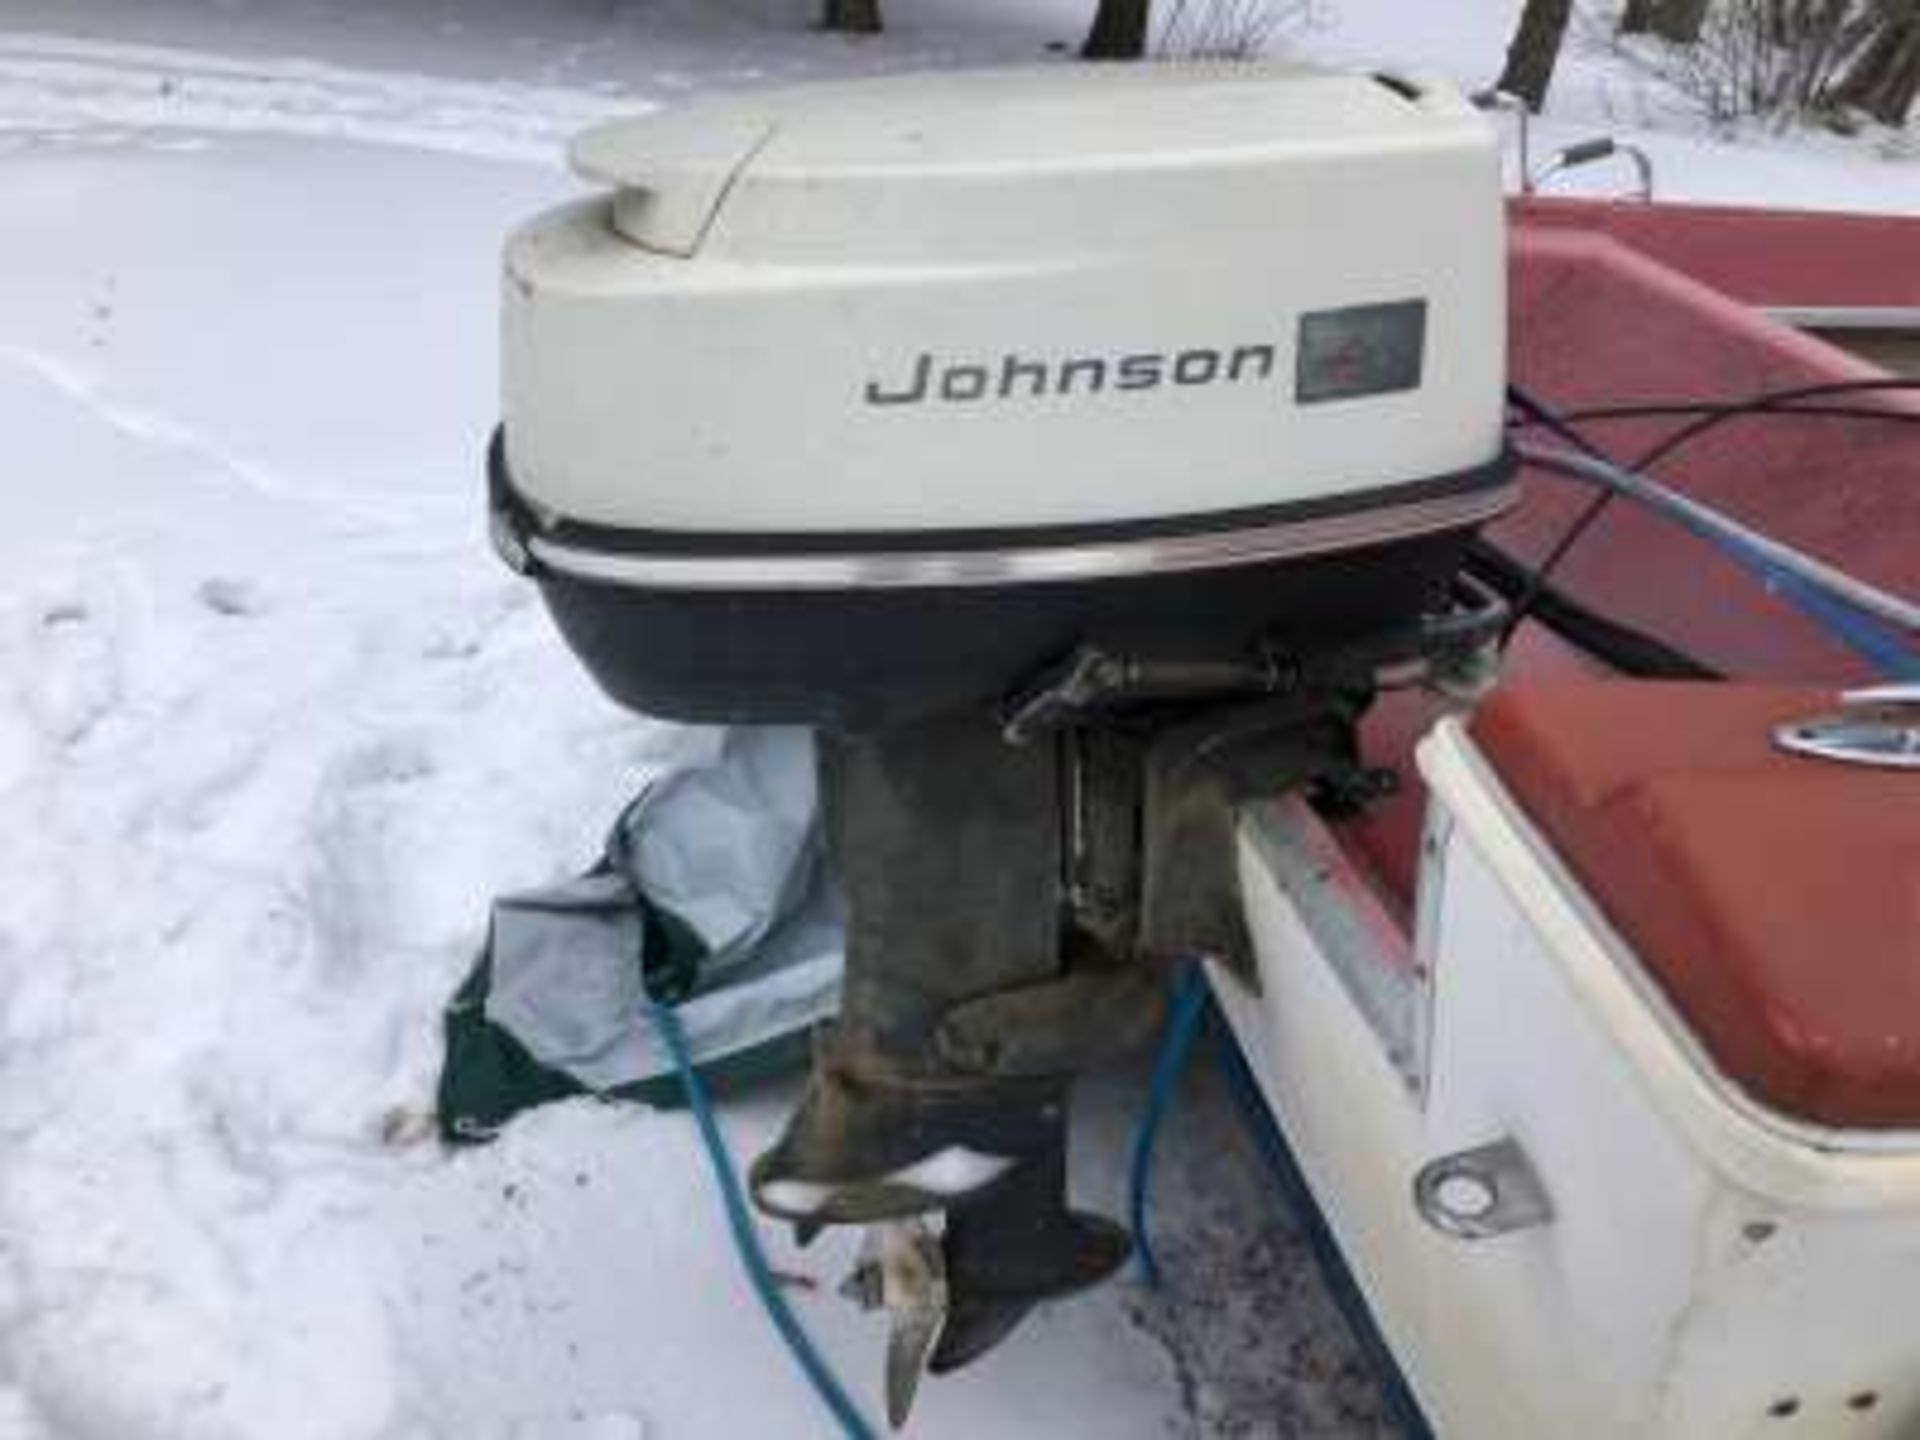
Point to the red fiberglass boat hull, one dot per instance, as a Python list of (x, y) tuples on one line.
[(1617, 303)]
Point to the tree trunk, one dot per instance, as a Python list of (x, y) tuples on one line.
[(1676, 20), (1884, 80), (1679, 20), (1119, 31), (1535, 49), (1637, 18), (852, 17)]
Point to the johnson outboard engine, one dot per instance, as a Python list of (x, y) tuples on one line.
[(1079, 449)]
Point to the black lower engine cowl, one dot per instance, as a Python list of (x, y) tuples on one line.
[(864, 631)]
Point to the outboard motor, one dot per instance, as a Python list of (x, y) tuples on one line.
[(1079, 449)]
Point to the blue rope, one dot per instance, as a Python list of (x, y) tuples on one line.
[(1191, 1006), (745, 1240), (1882, 646), (1890, 651), (1183, 1027), (1402, 1406)]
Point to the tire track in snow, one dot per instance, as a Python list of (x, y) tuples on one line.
[(143, 424), (57, 86)]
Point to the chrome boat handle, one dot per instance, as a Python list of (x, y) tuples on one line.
[(1588, 152), (1878, 725)]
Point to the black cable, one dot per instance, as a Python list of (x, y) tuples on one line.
[(1540, 413), (1626, 649), (1528, 600), (1709, 416), (1675, 411), (1762, 401)]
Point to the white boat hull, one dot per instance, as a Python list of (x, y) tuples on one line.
[(1709, 1268)]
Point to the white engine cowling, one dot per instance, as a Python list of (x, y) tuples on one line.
[(958, 371), (1042, 297)]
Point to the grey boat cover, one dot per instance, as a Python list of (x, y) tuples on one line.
[(712, 891)]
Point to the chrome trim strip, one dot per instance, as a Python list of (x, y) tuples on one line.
[(1039, 564), (1848, 317), (1370, 957)]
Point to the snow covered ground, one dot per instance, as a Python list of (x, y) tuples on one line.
[(276, 726)]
